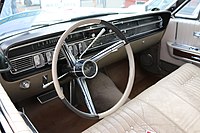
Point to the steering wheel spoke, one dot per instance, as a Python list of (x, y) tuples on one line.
[(114, 47), (88, 100), (68, 55)]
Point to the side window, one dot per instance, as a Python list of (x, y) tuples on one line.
[(9, 8), (190, 11), (160, 4)]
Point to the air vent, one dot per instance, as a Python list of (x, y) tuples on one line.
[(22, 64), (27, 63)]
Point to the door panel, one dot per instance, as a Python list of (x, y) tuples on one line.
[(181, 42)]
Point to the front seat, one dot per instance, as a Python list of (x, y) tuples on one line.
[(170, 106)]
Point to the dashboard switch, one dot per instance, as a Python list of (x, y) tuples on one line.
[(84, 45), (80, 47), (39, 60), (49, 56), (45, 79), (75, 50)]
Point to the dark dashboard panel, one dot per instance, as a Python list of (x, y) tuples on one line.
[(34, 55)]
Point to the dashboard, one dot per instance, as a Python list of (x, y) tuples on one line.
[(30, 54)]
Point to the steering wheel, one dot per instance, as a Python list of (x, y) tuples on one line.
[(87, 68)]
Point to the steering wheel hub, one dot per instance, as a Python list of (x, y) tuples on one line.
[(86, 69)]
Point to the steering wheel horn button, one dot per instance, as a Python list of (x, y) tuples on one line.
[(86, 68)]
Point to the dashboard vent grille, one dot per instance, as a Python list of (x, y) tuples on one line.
[(22, 64), (133, 28)]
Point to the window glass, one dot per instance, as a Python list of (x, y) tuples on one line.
[(17, 6), (160, 4), (191, 10), (19, 15)]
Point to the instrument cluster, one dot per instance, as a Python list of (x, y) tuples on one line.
[(33, 56)]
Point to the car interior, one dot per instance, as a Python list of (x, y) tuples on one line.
[(106, 73)]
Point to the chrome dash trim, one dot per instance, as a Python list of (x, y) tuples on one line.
[(24, 45)]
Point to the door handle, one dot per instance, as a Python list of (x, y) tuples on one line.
[(196, 34)]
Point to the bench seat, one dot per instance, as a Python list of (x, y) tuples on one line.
[(172, 105)]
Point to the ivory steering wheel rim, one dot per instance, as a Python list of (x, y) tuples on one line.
[(130, 78)]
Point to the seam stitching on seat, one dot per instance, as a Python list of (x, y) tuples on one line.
[(183, 99), (194, 93), (193, 121), (88, 130), (97, 129), (129, 117), (118, 122), (111, 125), (122, 118), (186, 74), (140, 117), (100, 123), (194, 90), (161, 113), (133, 119), (191, 78)]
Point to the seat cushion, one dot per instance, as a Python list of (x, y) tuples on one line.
[(170, 106)]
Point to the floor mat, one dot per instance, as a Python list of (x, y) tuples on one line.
[(118, 72), (55, 117), (104, 92)]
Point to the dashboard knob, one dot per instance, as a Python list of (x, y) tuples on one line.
[(25, 84), (93, 35)]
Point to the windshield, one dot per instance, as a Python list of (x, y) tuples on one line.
[(25, 14), (11, 7)]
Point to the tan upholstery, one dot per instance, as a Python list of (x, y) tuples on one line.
[(15, 120), (170, 106)]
